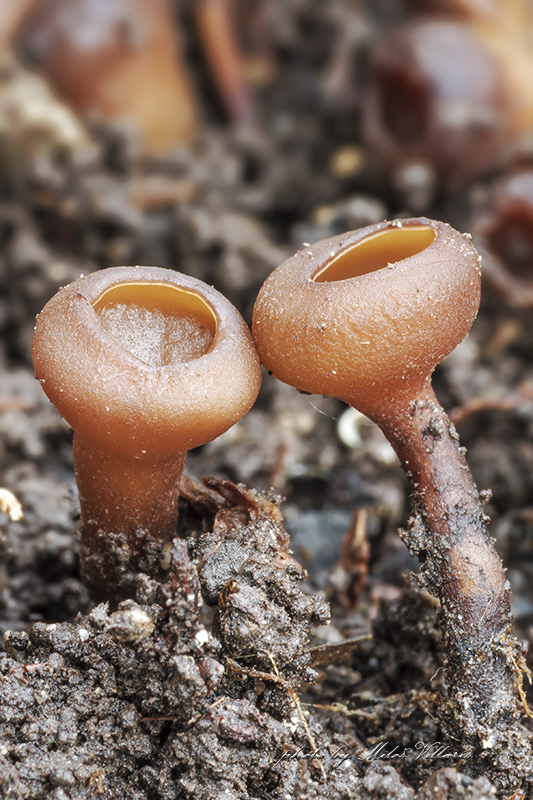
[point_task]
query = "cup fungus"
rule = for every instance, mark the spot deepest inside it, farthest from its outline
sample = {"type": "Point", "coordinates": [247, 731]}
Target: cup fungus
{"type": "Point", "coordinates": [435, 97]}
{"type": "Point", "coordinates": [118, 59]}
{"type": "Point", "coordinates": [145, 364]}
{"type": "Point", "coordinates": [366, 317]}
{"type": "Point", "coordinates": [472, 62]}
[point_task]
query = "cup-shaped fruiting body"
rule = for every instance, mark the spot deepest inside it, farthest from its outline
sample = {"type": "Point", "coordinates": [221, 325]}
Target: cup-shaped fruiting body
{"type": "Point", "coordinates": [505, 231]}
{"type": "Point", "coordinates": [118, 59]}
{"type": "Point", "coordinates": [366, 316]}
{"type": "Point", "coordinates": [435, 96]}
{"type": "Point", "coordinates": [145, 364]}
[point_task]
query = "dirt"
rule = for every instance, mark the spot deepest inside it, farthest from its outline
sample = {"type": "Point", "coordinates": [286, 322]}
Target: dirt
{"type": "Point", "coordinates": [285, 648]}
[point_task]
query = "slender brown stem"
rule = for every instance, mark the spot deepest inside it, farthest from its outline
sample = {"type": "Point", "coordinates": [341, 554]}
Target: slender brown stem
{"type": "Point", "coordinates": [216, 24]}
{"type": "Point", "coordinates": [123, 520]}
{"type": "Point", "coordinates": [448, 533]}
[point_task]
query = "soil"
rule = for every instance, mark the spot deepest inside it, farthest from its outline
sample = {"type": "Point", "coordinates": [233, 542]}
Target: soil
{"type": "Point", "coordinates": [285, 648]}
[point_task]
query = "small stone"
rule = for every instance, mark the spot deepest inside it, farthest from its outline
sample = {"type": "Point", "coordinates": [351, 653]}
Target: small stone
{"type": "Point", "coordinates": [130, 623]}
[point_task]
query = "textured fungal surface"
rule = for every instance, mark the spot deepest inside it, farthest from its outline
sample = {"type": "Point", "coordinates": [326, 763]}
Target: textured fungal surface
{"type": "Point", "coordinates": [145, 364]}
{"type": "Point", "coordinates": [409, 291]}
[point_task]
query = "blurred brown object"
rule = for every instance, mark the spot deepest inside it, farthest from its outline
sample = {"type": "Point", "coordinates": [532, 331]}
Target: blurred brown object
{"type": "Point", "coordinates": [504, 235]}
{"type": "Point", "coordinates": [507, 31]}
{"type": "Point", "coordinates": [349, 576]}
{"type": "Point", "coordinates": [12, 15]}
{"type": "Point", "coordinates": [118, 59]}
{"type": "Point", "coordinates": [146, 192]}
{"type": "Point", "coordinates": [215, 21]}
{"type": "Point", "coordinates": [505, 28]}
{"type": "Point", "coordinates": [436, 97]}
{"type": "Point", "coordinates": [518, 400]}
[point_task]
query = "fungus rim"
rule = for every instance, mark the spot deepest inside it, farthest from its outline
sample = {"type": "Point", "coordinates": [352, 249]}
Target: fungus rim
{"type": "Point", "coordinates": [369, 248]}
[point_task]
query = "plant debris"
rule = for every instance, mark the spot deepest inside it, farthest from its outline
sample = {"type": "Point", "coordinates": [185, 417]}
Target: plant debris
{"type": "Point", "coordinates": [221, 677]}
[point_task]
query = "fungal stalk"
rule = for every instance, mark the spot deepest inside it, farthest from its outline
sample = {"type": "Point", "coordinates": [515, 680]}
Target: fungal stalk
{"type": "Point", "coordinates": [366, 317]}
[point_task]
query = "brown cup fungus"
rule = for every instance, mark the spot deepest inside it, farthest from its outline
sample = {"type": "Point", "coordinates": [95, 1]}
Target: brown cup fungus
{"type": "Point", "coordinates": [366, 317]}
{"type": "Point", "coordinates": [436, 99]}
{"type": "Point", "coordinates": [145, 364]}
{"type": "Point", "coordinates": [454, 87]}
{"type": "Point", "coordinates": [118, 59]}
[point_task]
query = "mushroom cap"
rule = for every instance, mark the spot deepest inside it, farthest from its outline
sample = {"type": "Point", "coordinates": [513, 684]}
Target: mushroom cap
{"type": "Point", "coordinates": [144, 360]}
{"type": "Point", "coordinates": [118, 59]}
{"type": "Point", "coordinates": [436, 95]}
{"type": "Point", "coordinates": [368, 314]}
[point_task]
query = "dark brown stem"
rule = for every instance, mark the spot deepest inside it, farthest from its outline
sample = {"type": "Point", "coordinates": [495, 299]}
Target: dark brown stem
{"type": "Point", "coordinates": [215, 21]}
{"type": "Point", "coordinates": [448, 533]}
{"type": "Point", "coordinates": [123, 522]}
